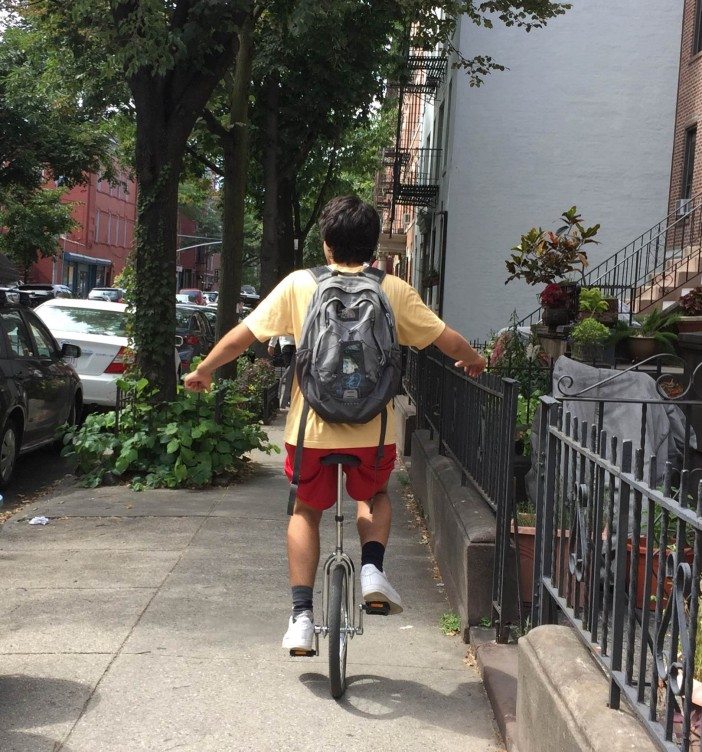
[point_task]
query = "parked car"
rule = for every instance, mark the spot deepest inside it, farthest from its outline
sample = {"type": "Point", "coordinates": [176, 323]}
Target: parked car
{"type": "Point", "coordinates": [193, 325]}
{"type": "Point", "coordinates": [194, 296]}
{"type": "Point", "coordinates": [211, 297]}
{"type": "Point", "coordinates": [249, 297]}
{"type": "Point", "coordinates": [34, 294]}
{"type": "Point", "coordinates": [39, 390]}
{"type": "Point", "coordinates": [110, 294]}
{"type": "Point", "coordinates": [99, 329]}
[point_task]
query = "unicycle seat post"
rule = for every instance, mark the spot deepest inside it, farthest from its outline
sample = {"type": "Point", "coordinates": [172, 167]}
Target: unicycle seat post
{"type": "Point", "coordinates": [341, 461]}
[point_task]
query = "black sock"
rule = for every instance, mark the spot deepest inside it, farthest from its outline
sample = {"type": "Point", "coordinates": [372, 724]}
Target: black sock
{"type": "Point", "coordinates": [373, 553]}
{"type": "Point", "coordinates": [302, 599]}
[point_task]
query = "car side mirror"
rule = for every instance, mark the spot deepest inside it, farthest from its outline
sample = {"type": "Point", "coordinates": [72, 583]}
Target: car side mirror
{"type": "Point", "coordinates": [179, 341]}
{"type": "Point", "coordinates": [70, 351]}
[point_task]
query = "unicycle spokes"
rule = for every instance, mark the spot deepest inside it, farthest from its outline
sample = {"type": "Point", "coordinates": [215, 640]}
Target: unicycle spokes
{"type": "Point", "coordinates": [339, 630]}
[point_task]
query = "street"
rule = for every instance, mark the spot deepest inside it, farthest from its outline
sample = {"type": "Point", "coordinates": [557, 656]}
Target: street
{"type": "Point", "coordinates": [36, 474]}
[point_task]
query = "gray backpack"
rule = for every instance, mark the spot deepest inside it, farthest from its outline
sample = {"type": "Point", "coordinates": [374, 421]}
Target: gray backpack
{"type": "Point", "coordinates": [348, 363]}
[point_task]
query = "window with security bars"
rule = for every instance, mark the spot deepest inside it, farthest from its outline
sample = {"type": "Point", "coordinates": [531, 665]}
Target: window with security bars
{"type": "Point", "coordinates": [697, 38]}
{"type": "Point", "coordinates": [689, 162]}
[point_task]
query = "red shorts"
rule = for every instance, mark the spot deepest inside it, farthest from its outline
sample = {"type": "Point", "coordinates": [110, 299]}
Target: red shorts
{"type": "Point", "coordinates": [317, 487]}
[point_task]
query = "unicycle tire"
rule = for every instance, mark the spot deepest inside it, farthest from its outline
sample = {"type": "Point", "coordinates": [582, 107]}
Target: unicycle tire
{"type": "Point", "coordinates": [338, 634]}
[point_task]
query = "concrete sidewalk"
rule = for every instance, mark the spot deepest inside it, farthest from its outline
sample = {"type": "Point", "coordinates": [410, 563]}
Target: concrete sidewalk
{"type": "Point", "coordinates": [153, 621]}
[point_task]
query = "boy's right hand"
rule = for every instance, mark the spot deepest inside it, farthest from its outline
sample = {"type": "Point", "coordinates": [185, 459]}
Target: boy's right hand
{"type": "Point", "coordinates": [472, 367]}
{"type": "Point", "coordinates": [198, 381]}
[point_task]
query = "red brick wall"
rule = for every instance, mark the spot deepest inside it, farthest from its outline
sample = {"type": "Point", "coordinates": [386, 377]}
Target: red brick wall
{"type": "Point", "coordinates": [105, 217]}
{"type": "Point", "coordinates": [689, 107]}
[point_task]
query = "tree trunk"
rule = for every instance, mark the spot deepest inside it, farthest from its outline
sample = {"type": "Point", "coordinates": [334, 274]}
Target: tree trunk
{"type": "Point", "coordinates": [158, 166]}
{"type": "Point", "coordinates": [236, 161]}
{"type": "Point", "coordinates": [286, 230]}
{"type": "Point", "coordinates": [270, 260]}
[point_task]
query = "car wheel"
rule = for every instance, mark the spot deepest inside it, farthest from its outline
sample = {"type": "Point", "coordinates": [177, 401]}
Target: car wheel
{"type": "Point", "coordinates": [9, 449]}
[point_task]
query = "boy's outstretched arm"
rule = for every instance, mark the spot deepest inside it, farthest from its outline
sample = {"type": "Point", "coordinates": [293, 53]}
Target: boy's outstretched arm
{"type": "Point", "coordinates": [451, 343]}
{"type": "Point", "coordinates": [231, 346]}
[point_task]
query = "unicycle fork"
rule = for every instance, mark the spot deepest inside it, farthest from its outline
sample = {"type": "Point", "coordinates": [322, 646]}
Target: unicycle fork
{"type": "Point", "coordinates": [339, 622]}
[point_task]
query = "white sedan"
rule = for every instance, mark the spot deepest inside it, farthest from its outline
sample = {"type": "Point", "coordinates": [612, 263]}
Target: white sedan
{"type": "Point", "coordinates": [99, 329]}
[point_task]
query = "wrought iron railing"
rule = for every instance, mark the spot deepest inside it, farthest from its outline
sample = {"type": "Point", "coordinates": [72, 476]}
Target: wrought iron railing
{"type": "Point", "coordinates": [474, 423]}
{"type": "Point", "coordinates": [656, 264]}
{"type": "Point", "coordinates": [618, 549]}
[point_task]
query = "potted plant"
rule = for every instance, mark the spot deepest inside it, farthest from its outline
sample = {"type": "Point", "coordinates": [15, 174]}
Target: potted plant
{"type": "Point", "coordinates": [594, 304]}
{"type": "Point", "coordinates": [590, 339]}
{"type": "Point", "coordinates": [653, 335]}
{"type": "Point", "coordinates": [545, 256]}
{"type": "Point", "coordinates": [691, 310]}
{"type": "Point", "coordinates": [555, 303]}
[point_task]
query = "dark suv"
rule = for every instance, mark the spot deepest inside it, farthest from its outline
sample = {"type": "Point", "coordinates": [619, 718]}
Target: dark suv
{"type": "Point", "coordinates": [39, 391]}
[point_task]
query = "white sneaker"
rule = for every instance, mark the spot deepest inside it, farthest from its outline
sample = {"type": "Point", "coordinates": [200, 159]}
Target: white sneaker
{"type": "Point", "coordinates": [375, 587]}
{"type": "Point", "coordinates": [300, 634]}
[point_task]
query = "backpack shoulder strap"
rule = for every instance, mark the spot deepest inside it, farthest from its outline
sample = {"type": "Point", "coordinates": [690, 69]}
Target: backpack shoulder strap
{"type": "Point", "coordinates": [377, 274]}
{"type": "Point", "coordinates": [320, 273]}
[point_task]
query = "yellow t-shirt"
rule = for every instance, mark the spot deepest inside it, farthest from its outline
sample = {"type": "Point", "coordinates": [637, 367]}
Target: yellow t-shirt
{"type": "Point", "coordinates": [283, 312]}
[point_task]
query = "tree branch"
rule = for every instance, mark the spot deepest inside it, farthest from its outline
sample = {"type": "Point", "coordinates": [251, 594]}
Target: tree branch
{"type": "Point", "coordinates": [213, 124]}
{"type": "Point", "coordinates": [320, 197]}
{"type": "Point", "coordinates": [202, 159]}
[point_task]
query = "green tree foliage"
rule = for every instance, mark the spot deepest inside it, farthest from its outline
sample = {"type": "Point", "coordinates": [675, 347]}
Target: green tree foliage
{"type": "Point", "coordinates": [33, 222]}
{"type": "Point", "coordinates": [46, 133]}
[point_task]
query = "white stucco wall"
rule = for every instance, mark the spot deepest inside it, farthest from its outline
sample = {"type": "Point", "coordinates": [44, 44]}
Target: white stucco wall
{"type": "Point", "coordinates": [584, 116]}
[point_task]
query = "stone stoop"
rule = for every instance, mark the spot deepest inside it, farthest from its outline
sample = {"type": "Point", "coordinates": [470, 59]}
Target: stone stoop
{"type": "Point", "coordinates": [498, 669]}
{"type": "Point", "coordinates": [562, 699]}
{"type": "Point", "coordinates": [461, 527]}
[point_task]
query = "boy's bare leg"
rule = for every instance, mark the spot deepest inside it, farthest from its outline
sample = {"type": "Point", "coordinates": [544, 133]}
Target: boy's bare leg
{"type": "Point", "coordinates": [373, 518]}
{"type": "Point", "coordinates": [303, 544]}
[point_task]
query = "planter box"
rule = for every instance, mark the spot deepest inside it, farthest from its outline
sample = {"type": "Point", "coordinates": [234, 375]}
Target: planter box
{"type": "Point", "coordinates": [689, 324]}
{"type": "Point", "coordinates": [554, 345]}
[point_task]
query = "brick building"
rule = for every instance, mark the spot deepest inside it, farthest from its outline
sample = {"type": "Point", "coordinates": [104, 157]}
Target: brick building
{"type": "Point", "coordinates": [95, 252]}
{"type": "Point", "coordinates": [685, 180]}
{"type": "Point", "coordinates": [196, 267]}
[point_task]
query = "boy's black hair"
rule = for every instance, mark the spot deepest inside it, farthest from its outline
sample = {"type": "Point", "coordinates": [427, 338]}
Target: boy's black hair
{"type": "Point", "coordinates": [351, 228]}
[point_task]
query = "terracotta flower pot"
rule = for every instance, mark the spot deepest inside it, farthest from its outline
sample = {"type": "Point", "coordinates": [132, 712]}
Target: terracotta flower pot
{"type": "Point", "coordinates": [641, 348]}
{"type": "Point", "coordinates": [688, 554]}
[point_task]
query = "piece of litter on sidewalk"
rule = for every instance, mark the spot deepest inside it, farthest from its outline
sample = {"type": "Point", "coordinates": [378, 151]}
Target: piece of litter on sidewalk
{"type": "Point", "coordinates": [439, 584]}
{"type": "Point", "coordinates": [407, 626]}
{"type": "Point", "coordinates": [39, 520]}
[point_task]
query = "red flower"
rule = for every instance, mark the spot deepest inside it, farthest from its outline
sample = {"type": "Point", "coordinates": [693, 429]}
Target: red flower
{"type": "Point", "coordinates": [553, 296]}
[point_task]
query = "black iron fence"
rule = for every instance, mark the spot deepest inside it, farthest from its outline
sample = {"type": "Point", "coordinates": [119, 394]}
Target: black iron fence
{"type": "Point", "coordinates": [474, 423]}
{"type": "Point", "coordinates": [618, 549]}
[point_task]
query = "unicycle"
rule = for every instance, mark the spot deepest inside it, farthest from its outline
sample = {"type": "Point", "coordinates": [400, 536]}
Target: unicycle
{"type": "Point", "coordinates": [339, 623]}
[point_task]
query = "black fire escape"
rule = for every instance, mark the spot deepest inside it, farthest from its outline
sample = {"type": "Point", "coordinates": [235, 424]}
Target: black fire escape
{"type": "Point", "coordinates": [409, 173]}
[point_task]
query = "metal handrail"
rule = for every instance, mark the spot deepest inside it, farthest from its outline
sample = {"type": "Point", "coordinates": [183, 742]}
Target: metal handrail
{"type": "Point", "coordinates": [631, 256]}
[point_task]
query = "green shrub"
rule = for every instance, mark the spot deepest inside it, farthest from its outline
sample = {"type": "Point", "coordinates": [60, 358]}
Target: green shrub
{"type": "Point", "coordinates": [592, 301]}
{"type": "Point", "coordinates": [590, 332]}
{"type": "Point", "coordinates": [187, 442]}
{"type": "Point", "coordinates": [252, 381]}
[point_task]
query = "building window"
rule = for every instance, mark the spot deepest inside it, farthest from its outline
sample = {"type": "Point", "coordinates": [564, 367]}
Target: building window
{"type": "Point", "coordinates": [697, 38]}
{"type": "Point", "coordinates": [689, 162]}
{"type": "Point", "coordinates": [447, 127]}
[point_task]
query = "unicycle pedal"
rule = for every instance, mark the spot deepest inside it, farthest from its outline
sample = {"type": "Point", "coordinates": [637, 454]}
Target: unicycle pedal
{"type": "Point", "coordinates": [381, 608]}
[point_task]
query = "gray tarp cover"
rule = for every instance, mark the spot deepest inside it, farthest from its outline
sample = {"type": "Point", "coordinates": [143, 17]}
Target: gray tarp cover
{"type": "Point", "coordinates": [665, 427]}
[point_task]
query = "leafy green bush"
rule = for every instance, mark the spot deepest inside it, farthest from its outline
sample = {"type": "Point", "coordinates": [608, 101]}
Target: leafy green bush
{"type": "Point", "coordinates": [592, 301]}
{"type": "Point", "coordinates": [590, 332]}
{"type": "Point", "coordinates": [187, 442]}
{"type": "Point", "coordinates": [252, 381]}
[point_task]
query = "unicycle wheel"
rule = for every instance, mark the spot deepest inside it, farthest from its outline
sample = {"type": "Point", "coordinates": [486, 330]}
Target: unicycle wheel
{"type": "Point", "coordinates": [338, 630]}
